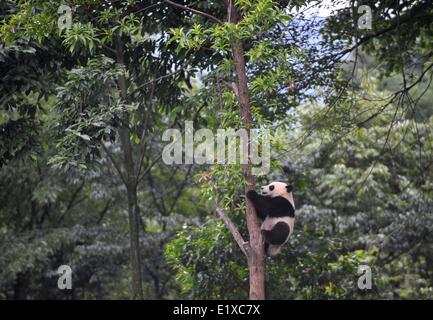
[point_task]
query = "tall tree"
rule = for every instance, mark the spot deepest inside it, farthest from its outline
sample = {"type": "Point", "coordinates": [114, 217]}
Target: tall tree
{"type": "Point", "coordinates": [246, 23]}
{"type": "Point", "coordinates": [118, 87]}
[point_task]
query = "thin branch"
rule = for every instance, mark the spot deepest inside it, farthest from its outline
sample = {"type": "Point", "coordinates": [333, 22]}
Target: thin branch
{"type": "Point", "coordinates": [147, 8]}
{"type": "Point", "coordinates": [233, 86]}
{"type": "Point", "coordinates": [156, 80]}
{"type": "Point", "coordinates": [180, 190]}
{"type": "Point", "coordinates": [143, 142]}
{"type": "Point", "coordinates": [395, 95]}
{"type": "Point", "coordinates": [207, 15]}
{"type": "Point", "coordinates": [109, 49]}
{"type": "Point", "coordinates": [245, 247]}
{"type": "Point", "coordinates": [72, 201]}
{"type": "Point", "coordinates": [416, 13]}
{"type": "Point", "coordinates": [161, 207]}
{"type": "Point", "coordinates": [383, 148]}
{"type": "Point", "coordinates": [149, 167]}
{"type": "Point", "coordinates": [114, 162]}
{"type": "Point", "coordinates": [74, 196]}
{"type": "Point", "coordinates": [390, 99]}
{"type": "Point", "coordinates": [103, 212]}
{"type": "Point", "coordinates": [184, 66]}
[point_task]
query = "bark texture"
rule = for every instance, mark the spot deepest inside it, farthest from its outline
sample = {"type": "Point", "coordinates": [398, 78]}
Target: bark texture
{"type": "Point", "coordinates": [256, 254]}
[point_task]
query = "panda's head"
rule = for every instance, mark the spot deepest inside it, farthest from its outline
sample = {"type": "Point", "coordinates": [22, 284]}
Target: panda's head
{"type": "Point", "coordinates": [275, 189]}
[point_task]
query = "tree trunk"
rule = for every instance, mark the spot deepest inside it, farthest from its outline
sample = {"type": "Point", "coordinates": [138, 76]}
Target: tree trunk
{"type": "Point", "coordinates": [131, 184]}
{"type": "Point", "coordinates": [21, 286]}
{"type": "Point", "coordinates": [256, 254]}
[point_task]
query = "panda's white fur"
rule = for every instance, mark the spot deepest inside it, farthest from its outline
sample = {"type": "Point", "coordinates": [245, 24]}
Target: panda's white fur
{"type": "Point", "coordinates": [269, 223]}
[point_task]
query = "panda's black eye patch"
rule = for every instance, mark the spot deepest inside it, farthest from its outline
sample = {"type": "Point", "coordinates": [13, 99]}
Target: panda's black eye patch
{"type": "Point", "coordinates": [271, 188]}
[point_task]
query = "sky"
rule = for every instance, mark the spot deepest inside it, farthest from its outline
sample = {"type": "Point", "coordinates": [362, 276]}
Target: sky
{"type": "Point", "coordinates": [323, 8]}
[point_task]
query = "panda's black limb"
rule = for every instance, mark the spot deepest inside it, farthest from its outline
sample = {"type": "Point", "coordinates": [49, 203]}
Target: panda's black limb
{"type": "Point", "coordinates": [273, 207]}
{"type": "Point", "coordinates": [278, 235]}
{"type": "Point", "coordinates": [266, 248]}
{"type": "Point", "coordinates": [260, 205]}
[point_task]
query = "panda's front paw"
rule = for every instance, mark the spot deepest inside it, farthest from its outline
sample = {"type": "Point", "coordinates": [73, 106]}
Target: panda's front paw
{"type": "Point", "coordinates": [252, 194]}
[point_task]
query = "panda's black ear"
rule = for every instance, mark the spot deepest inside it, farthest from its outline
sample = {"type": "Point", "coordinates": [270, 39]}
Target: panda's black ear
{"type": "Point", "coordinates": [289, 188]}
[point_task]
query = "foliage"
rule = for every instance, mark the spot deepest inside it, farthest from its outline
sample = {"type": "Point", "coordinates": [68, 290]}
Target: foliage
{"type": "Point", "coordinates": [207, 262]}
{"type": "Point", "coordinates": [350, 129]}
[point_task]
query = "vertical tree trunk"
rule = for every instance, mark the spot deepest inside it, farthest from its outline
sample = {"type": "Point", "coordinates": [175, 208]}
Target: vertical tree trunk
{"type": "Point", "coordinates": [256, 255]}
{"type": "Point", "coordinates": [131, 184]}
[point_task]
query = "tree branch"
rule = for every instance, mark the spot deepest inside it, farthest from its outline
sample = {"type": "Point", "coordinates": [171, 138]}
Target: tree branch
{"type": "Point", "coordinates": [180, 190]}
{"type": "Point", "coordinates": [103, 212]}
{"type": "Point", "coordinates": [149, 167]}
{"type": "Point", "coordinates": [245, 247]}
{"type": "Point", "coordinates": [72, 201]}
{"type": "Point", "coordinates": [114, 162]}
{"type": "Point", "coordinates": [233, 86]}
{"type": "Point", "coordinates": [207, 15]}
{"type": "Point", "coordinates": [413, 14]}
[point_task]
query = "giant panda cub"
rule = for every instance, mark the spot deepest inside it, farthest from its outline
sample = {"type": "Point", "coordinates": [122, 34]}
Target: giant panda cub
{"type": "Point", "coordinates": [276, 208]}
